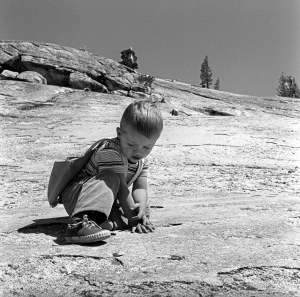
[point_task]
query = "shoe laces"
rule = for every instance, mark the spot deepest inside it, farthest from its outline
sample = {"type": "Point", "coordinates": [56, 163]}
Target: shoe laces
{"type": "Point", "coordinates": [85, 222]}
{"type": "Point", "coordinates": [88, 223]}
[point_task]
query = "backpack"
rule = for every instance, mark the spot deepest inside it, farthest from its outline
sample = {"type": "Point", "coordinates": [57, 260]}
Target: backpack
{"type": "Point", "coordinates": [64, 171]}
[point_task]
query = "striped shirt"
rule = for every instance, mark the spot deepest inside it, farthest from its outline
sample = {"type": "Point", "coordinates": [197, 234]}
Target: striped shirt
{"type": "Point", "coordinates": [108, 156]}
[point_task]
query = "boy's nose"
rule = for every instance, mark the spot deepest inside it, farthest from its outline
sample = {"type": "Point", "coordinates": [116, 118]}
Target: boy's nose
{"type": "Point", "coordinates": [137, 152]}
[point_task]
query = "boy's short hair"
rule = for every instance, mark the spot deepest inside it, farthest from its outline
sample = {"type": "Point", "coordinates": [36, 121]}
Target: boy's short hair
{"type": "Point", "coordinates": [144, 117]}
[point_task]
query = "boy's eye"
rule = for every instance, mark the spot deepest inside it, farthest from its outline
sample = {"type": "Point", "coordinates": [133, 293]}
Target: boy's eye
{"type": "Point", "coordinates": [129, 144]}
{"type": "Point", "coordinates": [146, 147]}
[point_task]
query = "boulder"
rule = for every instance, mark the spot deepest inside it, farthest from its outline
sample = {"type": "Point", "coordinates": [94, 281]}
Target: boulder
{"type": "Point", "coordinates": [78, 80]}
{"type": "Point", "coordinates": [32, 76]}
{"type": "Point", "coordinates": [7, 74]}
{"type": "Point", "coordinates": [114, 83]}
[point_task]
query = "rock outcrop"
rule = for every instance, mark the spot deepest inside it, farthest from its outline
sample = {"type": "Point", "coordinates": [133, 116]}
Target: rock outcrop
{"type": "Point", "coordinates": [66, 67]}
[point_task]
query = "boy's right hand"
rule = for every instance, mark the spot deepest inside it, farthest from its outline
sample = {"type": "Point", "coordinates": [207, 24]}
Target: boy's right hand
{"type": "Point", "coordinates": [143, 226]}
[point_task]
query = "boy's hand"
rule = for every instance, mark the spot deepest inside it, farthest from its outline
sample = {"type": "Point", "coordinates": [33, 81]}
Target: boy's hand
{"type": "Point", "coordinates": [143, 226]}
{"type": "Point", "coordinates": [140, 211]}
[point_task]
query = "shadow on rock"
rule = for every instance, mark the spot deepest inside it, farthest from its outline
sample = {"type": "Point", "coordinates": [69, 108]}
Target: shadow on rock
{"type": "Point", "coordinates": [55, 227]}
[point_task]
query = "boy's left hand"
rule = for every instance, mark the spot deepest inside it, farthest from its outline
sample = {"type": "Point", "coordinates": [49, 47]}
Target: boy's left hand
{"type": "Point", "coordinates": [140, 211]}
{"type": "Point", "coordinates": [143, 226]}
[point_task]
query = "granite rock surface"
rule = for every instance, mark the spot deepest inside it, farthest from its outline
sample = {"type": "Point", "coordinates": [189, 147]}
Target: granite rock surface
{"type": "Point", "coordinates": [223, 186]}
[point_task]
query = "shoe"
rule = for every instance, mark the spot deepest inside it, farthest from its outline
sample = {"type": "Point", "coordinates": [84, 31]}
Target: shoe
{"type": "Point", "coordinates": [83, 230]}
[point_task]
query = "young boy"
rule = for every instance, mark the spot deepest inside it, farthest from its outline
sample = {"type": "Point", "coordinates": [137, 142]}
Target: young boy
{"type": "Point", "coordinates": [98, 199]}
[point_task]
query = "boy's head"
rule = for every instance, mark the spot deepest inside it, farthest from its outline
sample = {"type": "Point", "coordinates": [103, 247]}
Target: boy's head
{"type": "Point", "coordinates": [144, 117]}
{"type": "Point", "coordinates": [140, 127]}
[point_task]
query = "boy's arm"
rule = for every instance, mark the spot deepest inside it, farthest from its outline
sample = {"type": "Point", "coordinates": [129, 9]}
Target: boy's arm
{"type": "Point", "coordinates": [134, 206]}
{"type": "Point", "coordinates": [125, 198]}
{"type": "Point", "coordinates": [140, 197]}
{"type": "Point", "coordinates": [140, 191]}
{"type": "Point", "coordinates": [139, 222]}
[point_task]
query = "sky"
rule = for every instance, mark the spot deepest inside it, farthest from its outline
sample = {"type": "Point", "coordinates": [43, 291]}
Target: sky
{"type": "Point", "coordinates": [249, 43]}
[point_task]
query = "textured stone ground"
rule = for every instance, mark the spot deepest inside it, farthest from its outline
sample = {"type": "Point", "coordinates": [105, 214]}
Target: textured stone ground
{"type": "Point", "coordinates": [224, 197]}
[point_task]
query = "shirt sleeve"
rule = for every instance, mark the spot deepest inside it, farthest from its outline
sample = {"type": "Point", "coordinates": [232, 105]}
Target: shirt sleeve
{"type": "Point", "coordinates": [141, 181]}
{"type": "Point", "coordinates": [109, 159]}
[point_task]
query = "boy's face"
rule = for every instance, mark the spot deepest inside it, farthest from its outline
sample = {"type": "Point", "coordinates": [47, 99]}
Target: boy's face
{"type": "Point", "coordinates": [135, 146]}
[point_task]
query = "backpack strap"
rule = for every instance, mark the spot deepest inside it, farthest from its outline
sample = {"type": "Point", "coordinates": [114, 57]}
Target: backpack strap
{"type": "Point", "coordinates": [137, 173]}
{"type": "Point", "coordinates": [97, 144]}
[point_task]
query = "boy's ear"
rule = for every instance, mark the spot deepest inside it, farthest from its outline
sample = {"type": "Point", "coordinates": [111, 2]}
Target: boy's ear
{"type": "Point", "coordinates": [118, 132]}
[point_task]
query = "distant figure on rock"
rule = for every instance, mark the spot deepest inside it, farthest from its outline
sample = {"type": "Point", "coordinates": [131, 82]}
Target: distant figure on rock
{"type": "Point", "coordinates": [97, 198]}
{"type": "Point", "coordinates": [174, 112]}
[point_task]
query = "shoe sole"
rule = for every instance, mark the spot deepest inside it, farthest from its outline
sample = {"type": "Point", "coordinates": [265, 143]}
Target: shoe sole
{"type": "Point", "coordinates": [100, 236]}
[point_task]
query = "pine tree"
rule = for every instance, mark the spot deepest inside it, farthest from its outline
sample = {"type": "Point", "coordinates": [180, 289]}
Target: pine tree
{"type": "Point", "coordinates": [129, 58]}
{"type": "Point", "coordinates": [205, 74]}
{"type": "Point", "coordinates": [281, 88]}
{"type": "Point", "coordinates": [217, 84]}
{"type": "Point", "coordinates": [288, 87]}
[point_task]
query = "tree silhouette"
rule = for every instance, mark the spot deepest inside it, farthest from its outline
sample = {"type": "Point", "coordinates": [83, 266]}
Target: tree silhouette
{"type": "Point", "coordinates": [288, 87]}
{"type": "Point", "coordinates": [217, 84]}
{"type": "Point", "coordinates": [205, 74]}
{"type": "Point", "coordinates": [129, 58]}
